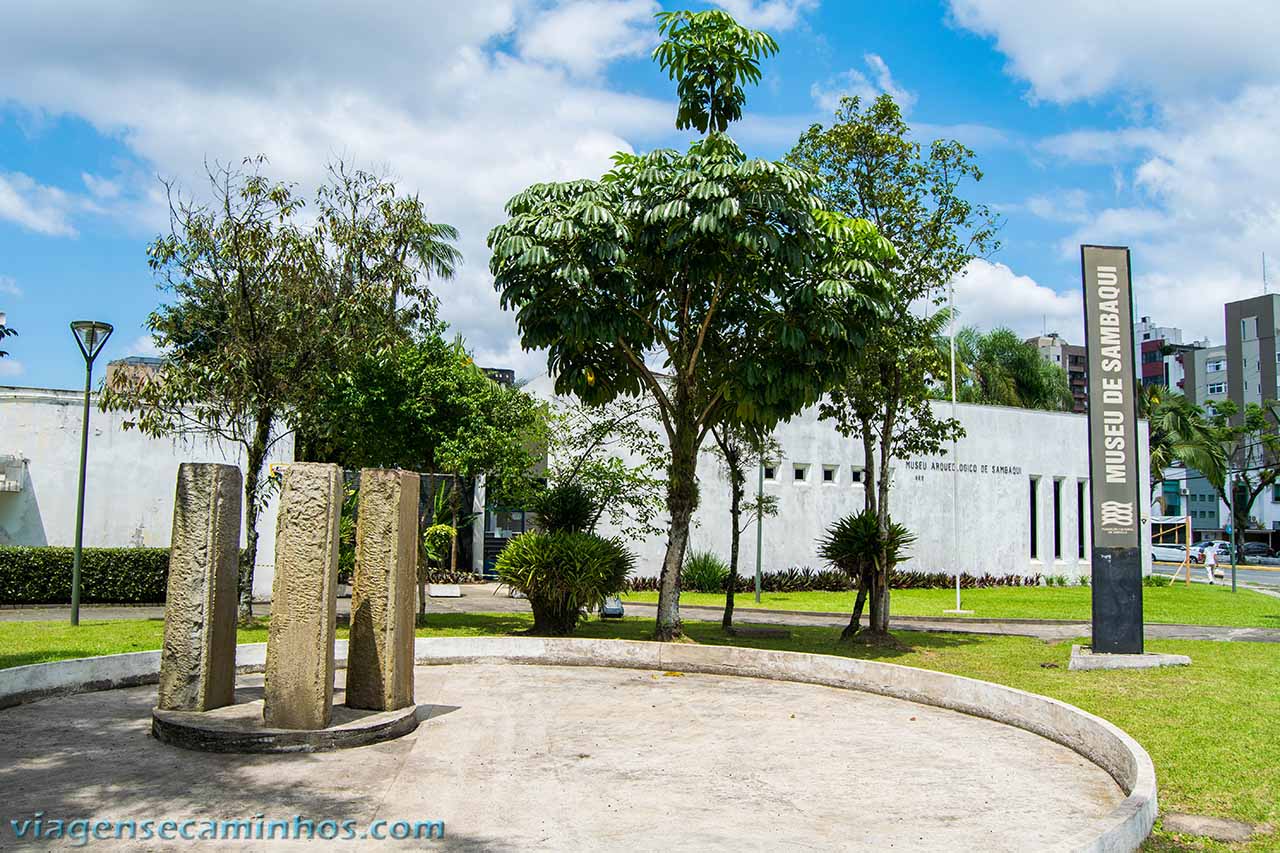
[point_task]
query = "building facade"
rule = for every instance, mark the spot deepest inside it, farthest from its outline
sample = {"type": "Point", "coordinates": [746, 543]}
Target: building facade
{"type": "Point", "coordinates": [1071, 358]}
{"type": "Point", "coordinates": [130, 478]}
{"type": "Point", "coordinates": [1012, 500]}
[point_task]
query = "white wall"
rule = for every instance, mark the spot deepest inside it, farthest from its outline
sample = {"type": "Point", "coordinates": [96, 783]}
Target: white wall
{"type": "Point", "coordinates": [130, 478]}
{"type": "Point", "coordinates": [1002, 450]}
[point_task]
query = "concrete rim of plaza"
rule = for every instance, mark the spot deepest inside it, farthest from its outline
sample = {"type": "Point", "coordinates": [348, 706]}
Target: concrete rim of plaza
{"type": "Point", "coordinates": [1098, 741]}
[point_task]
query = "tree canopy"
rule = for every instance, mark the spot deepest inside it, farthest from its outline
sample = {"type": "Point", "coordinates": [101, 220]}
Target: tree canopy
{"type": "Point", "coordinates": [264, 305]}
{"type": "Point", "coordinates": [713, 282]}
{"type": "Point", "coordinates": [1001, 369]}
{"type": "Point", "coordinates": [870, 166]}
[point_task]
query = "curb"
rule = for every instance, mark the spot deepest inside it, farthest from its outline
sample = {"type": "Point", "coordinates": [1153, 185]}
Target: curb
{"type": "Point", "coordinates": [1092, 737]}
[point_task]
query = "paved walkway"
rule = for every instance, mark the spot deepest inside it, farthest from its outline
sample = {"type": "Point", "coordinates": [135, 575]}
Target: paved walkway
{"type": "Point", "coordinates": [485, 598]}
{"type": "Point", "coordinates": [572, 758]}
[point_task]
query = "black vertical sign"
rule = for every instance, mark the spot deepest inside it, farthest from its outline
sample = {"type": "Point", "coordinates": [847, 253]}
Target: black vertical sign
{"type": "Point", "coordinates": [1113, 451]}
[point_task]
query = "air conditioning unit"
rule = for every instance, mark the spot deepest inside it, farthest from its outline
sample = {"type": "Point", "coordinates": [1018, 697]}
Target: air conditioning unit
{"type": "Point", "coordinates": [13, 473]}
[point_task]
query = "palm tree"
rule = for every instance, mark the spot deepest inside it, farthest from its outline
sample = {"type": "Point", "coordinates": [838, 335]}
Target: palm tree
{"type": "Point", "coordinates": [1180, 435]}
{"type": "Point", "coordinates": [999, 368]}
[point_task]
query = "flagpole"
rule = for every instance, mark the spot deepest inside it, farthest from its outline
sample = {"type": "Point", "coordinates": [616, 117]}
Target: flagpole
{"type": "Point", "coordinates": [955, 462]}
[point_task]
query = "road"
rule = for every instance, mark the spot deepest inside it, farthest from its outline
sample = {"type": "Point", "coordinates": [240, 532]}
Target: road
{"type": "Point", "coordinates": [1252, 575]}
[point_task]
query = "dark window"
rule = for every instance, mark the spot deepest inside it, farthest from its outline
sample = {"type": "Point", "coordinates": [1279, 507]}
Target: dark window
{"type": "Point", "coordinates": [769, 473]}
{"type": "Point", "coordinates": [1057, 519]}
{"type": "Point", "coordinates": [1080, 519]}
{"type": "Point", "coordinates": [1035, 544]}
{"type": "Point", "coordinates": [800, 471]}
{"type": "Point", "coordinates": [857, 475]}
{"type": "Point", "coordinates": [828, 473]}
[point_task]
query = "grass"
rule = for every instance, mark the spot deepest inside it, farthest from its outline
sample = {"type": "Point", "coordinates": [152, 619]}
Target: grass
{"type": "Point", "coordinates": [1198, 604]}
{"type": "Point", "coordinates": [1210, 727]}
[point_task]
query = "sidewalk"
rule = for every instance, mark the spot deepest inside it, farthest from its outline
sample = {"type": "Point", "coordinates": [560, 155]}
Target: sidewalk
{"type": "Point", "coordinates": [484, 598]}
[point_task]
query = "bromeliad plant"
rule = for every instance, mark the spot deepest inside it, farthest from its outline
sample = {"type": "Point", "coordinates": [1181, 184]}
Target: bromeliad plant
{"type": "Point", "coordinates": [867, 552]}
{"type": "Point", "coordinates": [564, 574]}
{"type": "Point", "coordinates": [563, 569]}
{"type": "Point", "coordinates": [704, 571]}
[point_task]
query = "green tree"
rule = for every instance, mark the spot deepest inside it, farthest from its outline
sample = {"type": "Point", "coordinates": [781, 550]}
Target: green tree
{"type": "Point", "coordinates": [614, 454]}
{"type": "Point", "coordinates": [1180, 435]}
{"type": "Point", "coordinates": [711, 57]}
{"type": "Point", "coordinates": [1251, 447]}
{"type": "Point", "coordinates": [870, 167]}
{"type": "Point", "coordinates": [264, 309]}
{"type": "Point", "coordinates": [711, 281]}
{"type": "Point", "coordinates": [6, 331]}
{"type": "Point", "coordinates": [424, 405]}
{"type": "Point", "coordinates": [740, 448]}
{"type": "Point", "coordinates": [1000, 369]}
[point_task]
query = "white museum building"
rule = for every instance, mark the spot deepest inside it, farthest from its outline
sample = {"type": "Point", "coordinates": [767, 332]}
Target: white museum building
{"type": "Point", "coordinates": [1013, 500]}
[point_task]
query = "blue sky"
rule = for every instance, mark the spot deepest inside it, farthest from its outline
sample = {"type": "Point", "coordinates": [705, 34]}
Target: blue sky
{"type": "Point", "coordinates": [1142, 123]}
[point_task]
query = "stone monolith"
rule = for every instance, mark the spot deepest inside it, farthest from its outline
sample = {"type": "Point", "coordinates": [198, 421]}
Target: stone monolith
{"type": "Point", "coordinates": [298, 690]}
{"type": "Point", "coordinates": [380, 648]}
{"type": "Point", "coordinates": [198, 660]}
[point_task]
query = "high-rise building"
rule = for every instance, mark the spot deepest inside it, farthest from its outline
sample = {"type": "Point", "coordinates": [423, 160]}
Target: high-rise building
{"type": "Point", "coordinates": [1160, 354]}
{"type": "Point", "coordinates": [1251, 349]}
{"type": "Point", "coordinates": [1070, 358]}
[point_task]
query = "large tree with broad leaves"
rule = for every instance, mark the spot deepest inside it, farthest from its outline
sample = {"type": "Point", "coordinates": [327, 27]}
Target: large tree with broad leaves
{"type": "Point", "coordinates": [712, 282]}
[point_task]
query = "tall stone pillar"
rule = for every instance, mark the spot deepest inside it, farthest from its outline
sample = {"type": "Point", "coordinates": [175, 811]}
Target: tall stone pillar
{"type": "Point", "coordinates": [380, 648]}
{"type": "Point", "coordinates": [198, 660]}
{"type": "Point", "coordinates": [298, 693]}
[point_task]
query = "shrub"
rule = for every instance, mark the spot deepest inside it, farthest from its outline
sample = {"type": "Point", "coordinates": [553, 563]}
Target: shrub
{"type": "Point", "coordinates": [798, 579]}
{"type": "Point", "coordinates": [565, 508]}
{"type": "Point", "coordinates": [703, 571]}
{"type": "Point", "coordinates": [437, 542]}
{"type": "Point", "coordinates": [564, 574]}
{"type": "Point", "coordinates": [107, 575]}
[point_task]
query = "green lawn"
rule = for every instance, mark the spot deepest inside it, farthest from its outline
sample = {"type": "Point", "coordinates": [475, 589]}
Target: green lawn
{"type": "Point", "coordinates": [1198, 604]}
{"type": "Point", "coordinates": [1210, 728]}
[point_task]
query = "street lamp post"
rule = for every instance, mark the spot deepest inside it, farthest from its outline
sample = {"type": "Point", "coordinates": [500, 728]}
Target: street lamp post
{"type": "Point", "coordinates": [90, 336]}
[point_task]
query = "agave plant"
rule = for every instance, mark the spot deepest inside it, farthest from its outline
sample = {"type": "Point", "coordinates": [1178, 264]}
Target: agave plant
{"type": "Point", "coordinates": [564, 574]}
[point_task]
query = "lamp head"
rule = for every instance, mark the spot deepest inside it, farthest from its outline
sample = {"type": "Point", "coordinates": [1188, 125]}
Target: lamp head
{"type": "Point", "coordinates": [91, 335]}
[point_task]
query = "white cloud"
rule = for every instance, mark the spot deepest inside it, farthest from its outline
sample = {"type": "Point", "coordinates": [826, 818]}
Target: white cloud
{"type": "Point", "coordinates": [772, 15]}
{"type": "Point", "coordinates": [10, 367]}
{"type": "Point", "coordinates": [465, 104]}
{"type": "Point", "coordinates": [1074, 49]}
{"type": "Point", "coordinates": [868, 85]}
{"type": "Point", "coordinates": [100, 187]}
{"type": "Point", "coordinates": [991, 294]}
{"type": "Point", "coordinates": [34, 206]}
{"type": "Point", "coordinates": [144, 345]}
{"type": "Point", "coordinates": [1195, 114]}
{"type": "Point", "coordinates": [9, 286]}
{"type": "Point", "coordinates": [583, 35]}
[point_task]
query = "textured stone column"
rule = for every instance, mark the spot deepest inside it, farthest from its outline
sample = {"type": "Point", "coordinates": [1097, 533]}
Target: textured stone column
{"type": "Point", "coordinates": [198, 661]}
{"type": "Point", "coordinates": [298, 693]}
{"type": "Point", "coordinates": [380, 649]}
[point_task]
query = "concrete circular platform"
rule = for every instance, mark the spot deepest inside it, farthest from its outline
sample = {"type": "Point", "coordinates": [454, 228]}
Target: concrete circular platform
{"type": "Point", "coordinates": [555, 757]}
{"type": "Point", "coordinates": [240, 728]}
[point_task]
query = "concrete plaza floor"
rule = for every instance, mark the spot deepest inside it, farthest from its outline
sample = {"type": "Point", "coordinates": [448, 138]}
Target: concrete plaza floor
{"type": "Point", "coordinates": [579, 758]}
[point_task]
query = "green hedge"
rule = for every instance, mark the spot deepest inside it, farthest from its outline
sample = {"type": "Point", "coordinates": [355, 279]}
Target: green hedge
{"type": "Point", "coordinates": [107, 575]}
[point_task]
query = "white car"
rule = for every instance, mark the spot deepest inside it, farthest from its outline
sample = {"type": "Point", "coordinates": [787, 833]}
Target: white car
{"type": "Point", "coordinates": [1170, 553]}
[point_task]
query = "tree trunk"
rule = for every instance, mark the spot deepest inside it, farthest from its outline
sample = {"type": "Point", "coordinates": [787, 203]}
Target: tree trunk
{"type": "Point", "coordinates": [855, 621]}
{"type": "Point", "coordinates": [682, 499]}
{"type": "Point", "coordinates": [255, 458]}
{"type": "Point", "coordinates": [737, 489]}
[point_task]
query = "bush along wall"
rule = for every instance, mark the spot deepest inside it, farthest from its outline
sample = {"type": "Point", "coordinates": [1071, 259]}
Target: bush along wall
{"type": "Point", "coordinates": [830, 580]}
{"type": "Point", "coordinates": [107, 575]}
